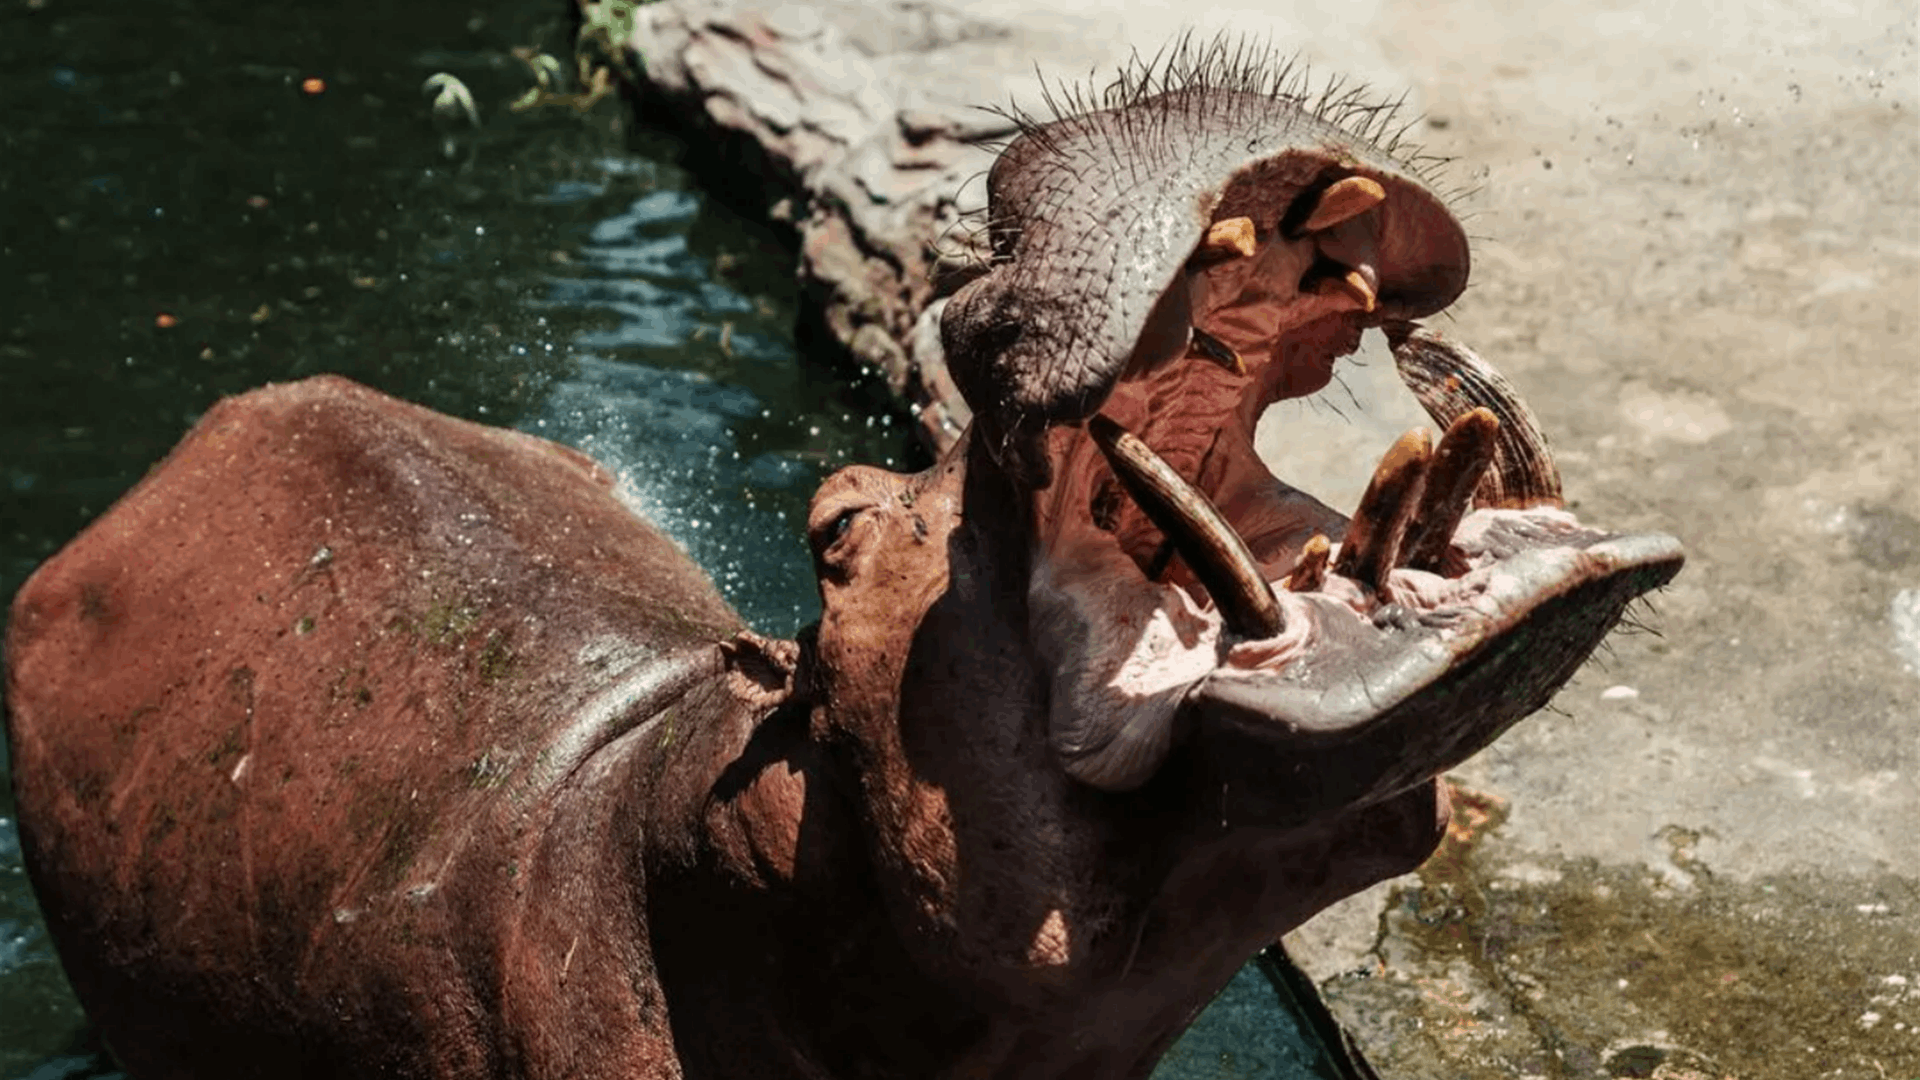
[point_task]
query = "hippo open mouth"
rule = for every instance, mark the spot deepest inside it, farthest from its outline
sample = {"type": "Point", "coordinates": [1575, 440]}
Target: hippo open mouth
{"type": "Point", "coordinates": [1168, 266]}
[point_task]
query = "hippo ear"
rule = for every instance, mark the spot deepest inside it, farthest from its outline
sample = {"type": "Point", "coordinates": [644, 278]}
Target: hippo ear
{"type": "Point", "coordinates": [764, 672]}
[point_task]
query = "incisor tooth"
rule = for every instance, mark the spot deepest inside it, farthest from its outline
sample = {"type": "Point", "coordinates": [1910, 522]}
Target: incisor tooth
{"type": "Point", "coordinates": [1344, 200]}
{"type": "Point", "coordinates": [1461, 459]}
{"type": "Point", "coordinates": [1212, 550]}
{"type": "Point", "coordinates": [1372, 546]}
{"type": "Point", "coordinates": [1310, 569]}
{"type": "Point", "coordinates": [1230, 238]}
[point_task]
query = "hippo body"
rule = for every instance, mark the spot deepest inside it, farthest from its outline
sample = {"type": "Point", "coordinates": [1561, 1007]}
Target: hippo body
{"type": "Point", "coordinates": [337, 685]}
{"type": "Point", "coordinates": [360, 741]}
{"type": "Point", "coordinates": [410, 751]}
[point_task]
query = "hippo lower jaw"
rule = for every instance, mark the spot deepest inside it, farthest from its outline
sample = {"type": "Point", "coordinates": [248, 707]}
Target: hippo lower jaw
{"type": "Point", "coordinates": [1327, 660]}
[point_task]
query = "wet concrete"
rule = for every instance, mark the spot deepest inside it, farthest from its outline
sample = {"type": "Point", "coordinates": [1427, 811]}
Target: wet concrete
{"type": "Point", "coordinates": [1491, 962]}
{"type": "Point", "coordinates": [1698, 253]}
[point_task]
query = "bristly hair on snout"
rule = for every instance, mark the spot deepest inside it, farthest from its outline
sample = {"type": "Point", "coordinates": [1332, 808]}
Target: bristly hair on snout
{"type": "Point", "coordinates": [1233, 65]}
{"type": "Point", "coordinates": [1228, 68]}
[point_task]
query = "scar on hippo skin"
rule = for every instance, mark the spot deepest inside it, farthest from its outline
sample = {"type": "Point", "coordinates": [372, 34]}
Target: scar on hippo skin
{"type": "Point", "coordinates": [1097, 706]}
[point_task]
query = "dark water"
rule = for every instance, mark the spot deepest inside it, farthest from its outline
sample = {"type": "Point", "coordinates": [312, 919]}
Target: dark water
{"type": "Point", "coordinates": [183, 217]}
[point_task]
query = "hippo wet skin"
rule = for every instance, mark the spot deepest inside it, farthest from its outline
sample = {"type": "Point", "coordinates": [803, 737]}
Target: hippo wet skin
{"type": "Point", "coordinates": [361, 741]}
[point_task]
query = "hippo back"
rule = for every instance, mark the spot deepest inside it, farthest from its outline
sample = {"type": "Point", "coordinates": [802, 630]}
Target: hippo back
{"type": "Point", "coordinates": [295, 725]}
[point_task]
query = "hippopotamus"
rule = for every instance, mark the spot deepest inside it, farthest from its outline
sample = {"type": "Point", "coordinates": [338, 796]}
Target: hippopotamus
{"type": "Point", "coordinates": [362, 741]}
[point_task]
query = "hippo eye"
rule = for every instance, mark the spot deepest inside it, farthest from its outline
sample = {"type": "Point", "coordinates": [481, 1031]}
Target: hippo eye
{"type": "Point", "coordinates": [839, 526]}
{"type": "Point", "coordinates": [826, 536]}
{"type": "Point", "coordinates": [835, 529]}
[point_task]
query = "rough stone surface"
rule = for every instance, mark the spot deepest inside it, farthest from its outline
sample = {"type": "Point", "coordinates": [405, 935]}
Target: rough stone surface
{"type": "Point", "coordinates": [1699, 254]}
{"type": "Point", "coordinates": [874, 167]}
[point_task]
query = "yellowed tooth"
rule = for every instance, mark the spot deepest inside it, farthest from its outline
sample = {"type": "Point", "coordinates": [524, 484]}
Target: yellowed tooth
{"type": "Point", "coordinates": [1459, 463]}
{"type": "Point", "coordinates": [1344, 200]}
{"type": "Point", "coordinates": [1230, 238]}
{"type": "Point", "coordinates": [1372, 547]}
{"type": "Point", "coordinates": [1353, 285]}
{"type": "Point", "coordinates": [1215, 553]}
{"type": "Point", "coordinates": [1310, 569]}
{"type": "Point", "coordinates": [1212, 348]}
{"type": "Point", "coordinates": [1361, 289]}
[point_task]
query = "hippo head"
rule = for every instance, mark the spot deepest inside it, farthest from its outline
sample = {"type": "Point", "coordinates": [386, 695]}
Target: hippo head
{"type": "Point", "coordinates": [1124, 700]}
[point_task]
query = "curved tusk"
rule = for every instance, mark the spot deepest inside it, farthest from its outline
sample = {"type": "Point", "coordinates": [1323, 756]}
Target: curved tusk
{"type": "Point", "coordinates": [1213, 551]}
{"type": "Point", "coordinates": [1451, 380]}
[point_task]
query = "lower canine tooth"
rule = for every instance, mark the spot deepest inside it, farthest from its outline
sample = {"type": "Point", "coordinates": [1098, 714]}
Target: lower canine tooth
{"type": "Point", "coordinates": [1212, 550]}
{"type": "Point", "coordinates": [1372, 546]}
